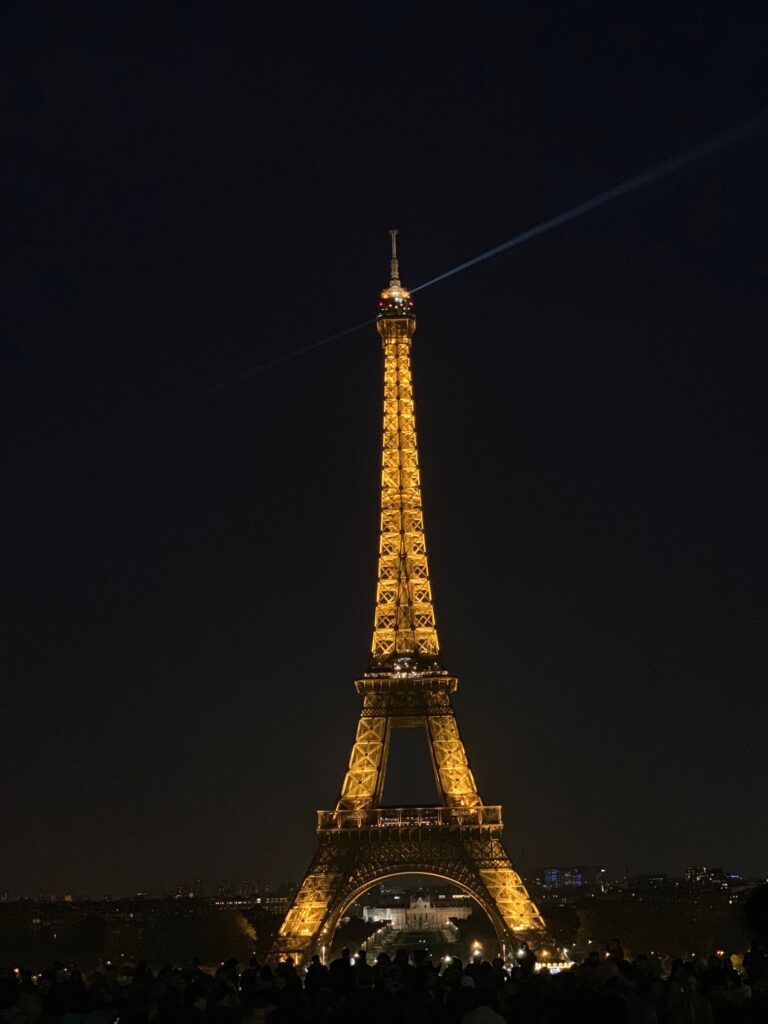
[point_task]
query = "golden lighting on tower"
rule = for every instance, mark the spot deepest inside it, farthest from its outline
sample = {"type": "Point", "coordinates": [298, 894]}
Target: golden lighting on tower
{"type": "Point", "coordinates": [360, 840]}
{"type": "Point", "coordinates": [404, 622]}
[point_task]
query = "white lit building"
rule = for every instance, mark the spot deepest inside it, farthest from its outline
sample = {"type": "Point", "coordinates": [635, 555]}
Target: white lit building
{"type": "Point", "coordinates": [419, 914]}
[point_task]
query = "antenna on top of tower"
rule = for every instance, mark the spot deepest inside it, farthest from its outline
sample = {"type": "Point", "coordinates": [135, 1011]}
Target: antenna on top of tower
{"type": "Point", "coordinates": [394, 269]}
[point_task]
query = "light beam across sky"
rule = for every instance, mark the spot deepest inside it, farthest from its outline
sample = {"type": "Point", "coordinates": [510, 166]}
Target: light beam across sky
{"type": "Point", "coordinates": [743, 131]}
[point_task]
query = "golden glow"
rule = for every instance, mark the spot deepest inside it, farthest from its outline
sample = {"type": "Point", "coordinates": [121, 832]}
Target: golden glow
{"type": "Point", "coordinates": [365, 764]}
{"type": "Point", "coordinates": [454, 776]}
{"type": "Point", "coordinates": [247, 928]}
{"type": "Point", "coordinates": [395, 291]}
{"type": "Point", "coordinates": [509, 894]}
{"type": "Point", "coordinates": [404, 621]}
{"type": "Point", "coordinates": [458, 838]}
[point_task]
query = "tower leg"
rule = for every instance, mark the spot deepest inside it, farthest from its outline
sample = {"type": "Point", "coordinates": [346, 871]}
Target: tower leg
{"type": "Point", "coordinates": [454, 776]}
{"type": "Point", "coordinates": [365, 775]}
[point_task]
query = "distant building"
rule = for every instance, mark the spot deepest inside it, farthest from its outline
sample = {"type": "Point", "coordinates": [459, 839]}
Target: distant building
{"type": "Point", "coordinates": [279, 904]}
{"type": "Point", "coordinates": [573, 877]}
{"type": "Point", "coordinates": [707, 878]}
{"type": "Point", "coordinates": [420, 914]}
{"type": "Point", "coordinates": [248, 887]}
{"type": "Point", "coordinates": [650, 883]}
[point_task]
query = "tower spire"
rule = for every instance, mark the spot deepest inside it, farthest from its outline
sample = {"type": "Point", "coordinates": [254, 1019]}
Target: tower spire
{"type": "Point", "coordinates": [394, 267]}
{"type": "Point", "coordinates": [404, 620]}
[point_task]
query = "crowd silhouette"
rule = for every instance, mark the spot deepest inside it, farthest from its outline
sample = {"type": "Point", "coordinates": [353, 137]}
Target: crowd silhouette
{"type": "Point", "coordinates": [605, 988]}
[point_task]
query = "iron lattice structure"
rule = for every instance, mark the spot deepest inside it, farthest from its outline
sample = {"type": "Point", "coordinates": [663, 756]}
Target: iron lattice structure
{"type": "Point", "coordinates": [404, 622]}
{"type": "Point", "coordinates": [361, 841]}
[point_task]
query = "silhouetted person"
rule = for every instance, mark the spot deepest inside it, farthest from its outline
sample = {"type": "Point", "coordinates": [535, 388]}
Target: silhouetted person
{"type": "Point", "coordinates": [316, 980]}
{"type": "Point", "coordinates": [340, 974]}
{"type": "Point", "coordinates": [526, 958]}
{"type": "Point", "coordinates": [403, 967]}
{"type": "Point", "coordinates": [363, 972]}
{"type": "Point", "coordinates": [484, 1012]}
{"type": "Point", "coordinates": [195, 1001]}
{"type": "Point", "coordinates": [249, 982]}
{"type": "Point", "coordinates": [689, 1006]}
{"type": "Point", "coordinates": [614, 951]}
{"type": "Point", "coordinates": [266, 979]}
{"type": "Point", "coordinates": [756, 961]}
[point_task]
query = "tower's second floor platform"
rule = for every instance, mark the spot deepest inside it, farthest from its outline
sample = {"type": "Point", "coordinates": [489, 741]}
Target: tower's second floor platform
{"type": "Point", "coordinates": [398, 694]}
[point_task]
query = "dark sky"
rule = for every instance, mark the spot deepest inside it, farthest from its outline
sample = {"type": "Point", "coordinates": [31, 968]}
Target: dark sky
{"type": "Point", "coordinates": [196, 188]}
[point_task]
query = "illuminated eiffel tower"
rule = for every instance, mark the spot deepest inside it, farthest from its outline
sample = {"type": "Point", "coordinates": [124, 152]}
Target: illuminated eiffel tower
{"type": "Point", "coordinates": [362, 842]}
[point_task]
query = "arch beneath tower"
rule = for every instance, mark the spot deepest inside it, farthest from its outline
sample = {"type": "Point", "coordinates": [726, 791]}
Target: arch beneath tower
{"type": "Point", "coordinates": [360, 885]}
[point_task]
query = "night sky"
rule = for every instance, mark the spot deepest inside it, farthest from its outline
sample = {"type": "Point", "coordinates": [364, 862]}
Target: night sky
{"type": "Point", "coordinates": [187, 587]}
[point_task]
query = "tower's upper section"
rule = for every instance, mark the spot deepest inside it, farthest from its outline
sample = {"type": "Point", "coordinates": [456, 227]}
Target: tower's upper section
{"type": "Point", "coordinates": [404, 631]}
{"type": "Point", "coordinates": [395, 301]}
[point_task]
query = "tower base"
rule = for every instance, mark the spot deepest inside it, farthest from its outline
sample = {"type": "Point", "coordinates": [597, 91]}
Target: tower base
{"type": "Point", "coordinates": [357, 849]}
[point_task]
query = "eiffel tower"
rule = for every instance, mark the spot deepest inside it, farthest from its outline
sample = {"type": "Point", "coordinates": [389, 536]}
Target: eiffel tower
{"type": "Point", "coordinates": [361, 841]}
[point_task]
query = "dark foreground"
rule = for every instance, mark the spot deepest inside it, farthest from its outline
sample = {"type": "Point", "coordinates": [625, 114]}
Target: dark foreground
{"type": "Point", "coordinates": [601, 990]}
